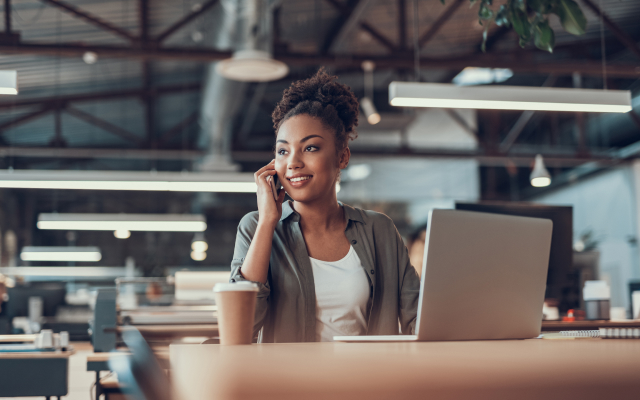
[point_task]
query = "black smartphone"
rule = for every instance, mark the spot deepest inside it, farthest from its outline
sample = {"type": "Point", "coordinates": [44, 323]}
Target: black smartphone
{"type": "Point", "coordinates": [276, 187]}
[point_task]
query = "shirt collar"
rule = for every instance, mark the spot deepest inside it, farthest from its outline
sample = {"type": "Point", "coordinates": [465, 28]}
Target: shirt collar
{"type": "Point", "coordinates": [350, 212]}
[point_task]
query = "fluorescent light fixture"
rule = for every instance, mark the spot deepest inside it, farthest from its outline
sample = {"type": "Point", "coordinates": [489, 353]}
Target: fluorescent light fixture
{"type": "Point", "coordinates": [442, 95]}
{"type": "Point", "coordinates": [129, 180]}
{"type": "Point", "coordinates": [540, 176]}
{"type": "Point", "coordinates": [121, 222]}
{"type": "Point", "coordinates": [122, 233]}
{"type": "Point", "coordinates": [8, 82]}
{"type": "Point", "coordinates": [369, 109]}
{"type": "Point", "coordinates": [482, 76]}
{"type": "Point", "coordinates": [70, 253]}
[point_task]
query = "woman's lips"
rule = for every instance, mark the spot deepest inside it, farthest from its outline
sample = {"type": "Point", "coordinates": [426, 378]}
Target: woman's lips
{"type": "Point", "coordinates": [297, 184]}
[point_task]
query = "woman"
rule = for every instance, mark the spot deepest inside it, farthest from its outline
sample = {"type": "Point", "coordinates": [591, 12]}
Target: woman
{"type": "Point", "coordinates": [323, 268]}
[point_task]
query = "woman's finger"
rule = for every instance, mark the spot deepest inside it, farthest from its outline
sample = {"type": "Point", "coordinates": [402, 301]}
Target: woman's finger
{"type": "Point", "coordinates": [262, 179]}
{"type": "Point", "coordinates": [269, 166]}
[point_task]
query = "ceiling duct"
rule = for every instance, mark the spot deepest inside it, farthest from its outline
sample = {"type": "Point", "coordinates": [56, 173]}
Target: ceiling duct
{"type": "Point", "coordinates": [245, 26]}
{"type": "Point", "coordinates": [252, 60]}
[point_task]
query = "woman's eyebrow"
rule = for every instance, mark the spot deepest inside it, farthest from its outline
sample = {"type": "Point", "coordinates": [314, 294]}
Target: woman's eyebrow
{"type": "Point", "coordinates": [304, 139]}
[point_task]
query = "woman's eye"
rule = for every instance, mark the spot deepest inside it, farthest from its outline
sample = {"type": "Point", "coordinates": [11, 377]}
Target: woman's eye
{"type": "Point", "coordinates": [311, 148]}
{"type": "Point", "coordinates": [281, 151]}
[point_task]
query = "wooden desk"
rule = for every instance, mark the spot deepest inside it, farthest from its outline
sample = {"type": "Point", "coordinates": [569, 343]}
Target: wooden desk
{"type": "Point", "coordinates": [548, 326]}
{"type": "Point", "coordinates": [520, 369]}
{"type": "Point", "coordinates": [34, 374]}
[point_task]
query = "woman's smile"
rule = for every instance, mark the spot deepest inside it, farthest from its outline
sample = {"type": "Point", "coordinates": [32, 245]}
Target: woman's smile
{"type": "Point", "coordinates": [299, 180]}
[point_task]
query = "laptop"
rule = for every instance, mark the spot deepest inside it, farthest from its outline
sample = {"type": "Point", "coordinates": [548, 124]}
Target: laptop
{"type": "Point", "coordinates": [483, 277]}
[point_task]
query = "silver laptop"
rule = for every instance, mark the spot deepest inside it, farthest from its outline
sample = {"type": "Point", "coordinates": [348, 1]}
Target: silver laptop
{"type": "Point", "coordinates": [483, 277]}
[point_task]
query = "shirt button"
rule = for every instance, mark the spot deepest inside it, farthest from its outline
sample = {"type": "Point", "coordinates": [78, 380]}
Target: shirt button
{"type": "Point", "coordinates": [354, 242]}
{"type": "Point", "coordinates": [372, 272]}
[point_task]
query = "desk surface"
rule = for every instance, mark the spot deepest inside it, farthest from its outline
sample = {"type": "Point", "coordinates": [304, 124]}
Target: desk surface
{"type": "Point", "coordinates": [37, 354]}
{"type": "Point", "coordinates": [522, 369]}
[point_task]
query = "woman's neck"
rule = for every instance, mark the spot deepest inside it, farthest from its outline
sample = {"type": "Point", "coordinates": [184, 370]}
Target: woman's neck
{"type": "Point", "coordinates": [321, 215]}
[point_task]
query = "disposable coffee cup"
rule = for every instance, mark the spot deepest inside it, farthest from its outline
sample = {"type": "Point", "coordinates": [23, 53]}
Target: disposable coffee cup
{"type": "Point", "coordinates": [236, 309]}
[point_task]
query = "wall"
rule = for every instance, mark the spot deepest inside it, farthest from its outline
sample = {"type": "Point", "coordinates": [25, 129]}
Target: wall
{"type": "Point", "coordinates": [606, 203]}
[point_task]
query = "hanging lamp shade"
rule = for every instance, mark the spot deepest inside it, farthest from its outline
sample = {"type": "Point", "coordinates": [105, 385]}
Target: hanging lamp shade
{"type": "Point", "coordinates": [369, 109]}
{"type": "Point", "coordinates": [252, 66]}
{"type": "Point", "coordinates": [540, 176]}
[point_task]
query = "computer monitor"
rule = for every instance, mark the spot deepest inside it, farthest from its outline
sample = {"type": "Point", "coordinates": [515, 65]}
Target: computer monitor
{"type": "Point", "coordinates": [559, 284]}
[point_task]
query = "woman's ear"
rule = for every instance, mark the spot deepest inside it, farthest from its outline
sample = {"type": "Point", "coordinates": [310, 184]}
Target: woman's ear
{"type": "Point", "coordinates": [345, 155]}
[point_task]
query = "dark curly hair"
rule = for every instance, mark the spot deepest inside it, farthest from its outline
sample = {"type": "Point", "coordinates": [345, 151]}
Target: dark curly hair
{"type": "Point", "coordinates": [321, 97]}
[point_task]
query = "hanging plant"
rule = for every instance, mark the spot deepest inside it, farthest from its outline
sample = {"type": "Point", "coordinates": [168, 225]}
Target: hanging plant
{"type": "Point", "coordinates": [530, 19]}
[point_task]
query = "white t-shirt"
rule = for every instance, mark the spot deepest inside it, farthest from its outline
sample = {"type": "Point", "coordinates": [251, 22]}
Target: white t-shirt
{"type": "Point", "coordinates": [342, 296]}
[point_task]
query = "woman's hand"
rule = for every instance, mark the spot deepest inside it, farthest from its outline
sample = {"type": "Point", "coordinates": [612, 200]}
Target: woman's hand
{"type": "Point", "coordinates": [269, 210]}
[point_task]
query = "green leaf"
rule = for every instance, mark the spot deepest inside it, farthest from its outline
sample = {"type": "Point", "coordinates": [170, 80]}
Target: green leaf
{"type": "Point", "coordinates": [485, 36]}
{"type": "Point", "coordinates": [543, 36]}
{"type": "Point", "coordinates": [541, 6]}
{"type": "Point", "coordinates": [520, 24]}
{"type": "Point", "coordinates": [571, 17]}
{"type": "Point", "coordinates": [518, 4]}
{"type": "Point", "coordinates": [523, 42]}
{"type": "Point", "coordinates": [502, 17]}
{"type": "Point", "coordinates": [485, 13]}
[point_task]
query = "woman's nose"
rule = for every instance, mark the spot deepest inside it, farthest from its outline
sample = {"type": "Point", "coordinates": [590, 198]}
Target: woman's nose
{"type": "Point", "coordinates": [294, 161]}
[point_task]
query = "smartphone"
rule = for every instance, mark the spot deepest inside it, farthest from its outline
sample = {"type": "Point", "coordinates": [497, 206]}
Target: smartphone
{"type": "Point", "coordinates": [275, 186]}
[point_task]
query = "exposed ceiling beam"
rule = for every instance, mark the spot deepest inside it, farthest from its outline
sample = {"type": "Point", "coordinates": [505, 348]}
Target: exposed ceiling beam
{"type": "Point", "coordinates": [89, 153]}
{"type": "Point", "coordinates": [7, 17]}
{"type": "Point", "coordinates": [379, 37]}
{"type": "Point", "coordinates": [352, 18]}
{"type": "Point", "coordinates": [179, 127]}
{"type": "Point", "coordinates": [619, 156]}
{"type": "Point", "coordinates": [619, 33]}
{"type": "Point", "coordinates": [92, 19]}
{"type": "Point", "coordinates": [185, 20]}
{"type": "Point", "coordinates": [586, 68]}
{"type": "Point", "coordinates": [104, 125]}
{"type": "Point", "coordinates": [339, 25]}
{"type": "Point", "coordinates": [523, 120]}
{"type": "Point", "coordinates": [402, 24]}
{"type": "Point", "coordinates": [24, 119]}
{"type": "Point", "coordinates": [78, 49]}
{"type": "Point", "coordinates": [444, 17]}
{"type": "Point", "coordinates": [98, 96]}
{"type": "Point", "coordinates": [495, 160]}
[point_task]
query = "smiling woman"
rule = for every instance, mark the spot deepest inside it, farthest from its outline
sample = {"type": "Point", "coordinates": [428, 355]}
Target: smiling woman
{"type": "Point", "coordinates": [323, 268]}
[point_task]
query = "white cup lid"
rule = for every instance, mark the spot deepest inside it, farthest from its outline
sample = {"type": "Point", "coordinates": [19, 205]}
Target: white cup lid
{"type": "Point", "coordinates": [242, 286]}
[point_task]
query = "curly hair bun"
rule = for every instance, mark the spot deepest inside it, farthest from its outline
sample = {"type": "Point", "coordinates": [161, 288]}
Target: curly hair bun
{"type": "Point", "coordinates": [321, 97]}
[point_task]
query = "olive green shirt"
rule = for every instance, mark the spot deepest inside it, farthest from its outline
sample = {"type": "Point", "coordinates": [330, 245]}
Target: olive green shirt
{"type": "Point", "coordinates": [286, 304]}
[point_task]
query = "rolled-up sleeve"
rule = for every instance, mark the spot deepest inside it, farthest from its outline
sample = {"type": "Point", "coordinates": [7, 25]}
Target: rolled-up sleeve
{"type": "Point", "coordinates": [409, 288]}
{"type": "Point", "coordinates": [246, 230]}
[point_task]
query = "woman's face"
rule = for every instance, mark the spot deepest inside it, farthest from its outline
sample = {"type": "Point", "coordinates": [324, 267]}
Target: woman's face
{"type": "Point", "coordinates": [306, 159]}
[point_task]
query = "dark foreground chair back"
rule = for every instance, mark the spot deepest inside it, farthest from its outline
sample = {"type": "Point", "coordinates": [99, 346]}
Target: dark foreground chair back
{"type": "Point", "coordinates": [140, 373]}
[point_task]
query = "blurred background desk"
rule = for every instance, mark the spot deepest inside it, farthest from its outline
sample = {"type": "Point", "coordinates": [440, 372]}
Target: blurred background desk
{"type": "Point", "coordinates": [522, 369]}
{"type": "Point", "coordinates": [34, 374]}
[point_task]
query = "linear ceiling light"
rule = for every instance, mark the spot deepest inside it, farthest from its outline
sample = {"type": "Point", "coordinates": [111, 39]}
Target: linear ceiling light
{"type": "Point", "coordinates": [129, 180]}
{"type": "Point", "coordinates": [46, 253]}
{"type": "Point", "coordinates": [120, 222]}
{"type": "Point", "coordinates": [441, 95]}
{"type": "Point", "coordinates": [8, 82]}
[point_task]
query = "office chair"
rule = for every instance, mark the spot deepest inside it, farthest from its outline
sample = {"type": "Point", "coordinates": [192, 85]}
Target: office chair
{"type": "Point", "coordinates": [140, 373]}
